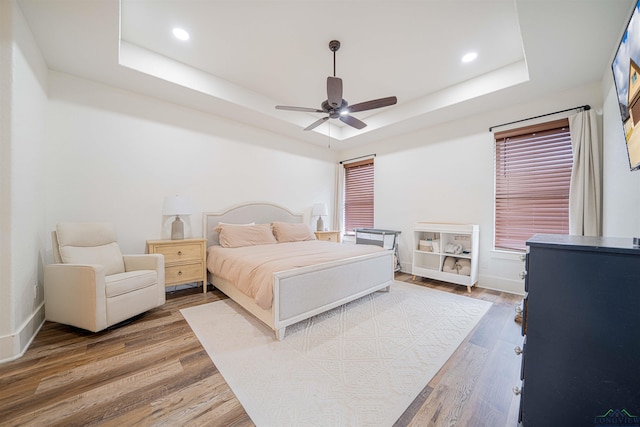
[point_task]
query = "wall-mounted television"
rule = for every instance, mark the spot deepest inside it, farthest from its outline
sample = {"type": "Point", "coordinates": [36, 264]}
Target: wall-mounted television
{"type": "Point", "coordinates": [626, 74]}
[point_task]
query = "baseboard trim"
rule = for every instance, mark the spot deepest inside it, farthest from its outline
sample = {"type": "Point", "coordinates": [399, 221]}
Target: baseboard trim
{"type": "Point", "coordinates": [488, 282]}
{"type": "Point", "coordinates": [501, 284]}
{"type": "Point", "coordinates": [14, 346]}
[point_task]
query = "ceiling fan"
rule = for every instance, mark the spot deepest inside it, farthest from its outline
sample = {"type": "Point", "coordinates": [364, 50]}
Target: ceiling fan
{"type": "Point", "coordinates": [337, 107]}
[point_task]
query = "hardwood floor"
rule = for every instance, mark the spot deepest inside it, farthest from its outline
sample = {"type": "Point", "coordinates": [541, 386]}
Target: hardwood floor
{"type": "Point", "coordinates": [153, 371]}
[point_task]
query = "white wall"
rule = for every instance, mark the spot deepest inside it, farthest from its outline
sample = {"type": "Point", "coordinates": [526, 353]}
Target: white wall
{"type": "Point", "coordinates": [114, 155]}
{"type": "Point", "coordinates": [445, 174]}
{"type": "Point", "coordinates": [621, 187]}
{"type": "Point", "coordinates": [22, 226]}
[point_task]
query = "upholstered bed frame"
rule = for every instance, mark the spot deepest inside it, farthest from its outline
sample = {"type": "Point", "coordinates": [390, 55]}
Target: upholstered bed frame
{"type": "Point", "coordinates": [304, 292]}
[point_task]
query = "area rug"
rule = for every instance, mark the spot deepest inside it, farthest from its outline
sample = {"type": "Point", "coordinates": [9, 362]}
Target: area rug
{"type": "Point", "coordinates": [361, 364]}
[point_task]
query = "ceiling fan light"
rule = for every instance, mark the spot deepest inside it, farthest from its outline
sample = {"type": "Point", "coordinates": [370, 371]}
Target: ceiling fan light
{"type": "Point", "coordinates": [180, 34]}
{"type": "Point", "coordinates": [336, 107]}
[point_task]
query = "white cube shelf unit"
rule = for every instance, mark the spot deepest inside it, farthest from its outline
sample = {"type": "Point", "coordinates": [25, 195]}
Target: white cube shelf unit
{"type": "Point", "coordinates": [434, 242]}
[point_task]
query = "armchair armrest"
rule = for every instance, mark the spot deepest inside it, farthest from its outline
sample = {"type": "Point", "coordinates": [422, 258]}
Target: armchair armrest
{"type": "Point", "coordinates": [75, 295]}
{"type": "Point", "coordinates": [148, 262]}
{"type": "Point", "coordinates": [143, 262]}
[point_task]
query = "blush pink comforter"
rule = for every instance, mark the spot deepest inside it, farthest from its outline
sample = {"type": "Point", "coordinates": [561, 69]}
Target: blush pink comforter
{"type": "Point", "coordinates": [251, 268]}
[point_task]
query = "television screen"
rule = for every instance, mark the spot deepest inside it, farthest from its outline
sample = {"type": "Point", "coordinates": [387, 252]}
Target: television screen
{"type": "Point", "coordinates": [626, 74]}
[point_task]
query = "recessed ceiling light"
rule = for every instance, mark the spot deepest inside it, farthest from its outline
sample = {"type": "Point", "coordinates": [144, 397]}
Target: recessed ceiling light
{"type": "Point", "coordinates": [180, 34]}
{"type": "Point", "coordinates": [469, 57]}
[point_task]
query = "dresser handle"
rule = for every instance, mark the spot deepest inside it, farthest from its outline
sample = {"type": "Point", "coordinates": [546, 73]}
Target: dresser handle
{"type": "Point", "coordinates": [518, 350]}
{"type": "Point", "coordinates": [179, 273]}
{"type": "Point", "coordinates": [523, 257]}
{"type": "Point", "coordinates": [179, 252]}
{"type": "Point", "coordinates": [517, 391]}
{"type": "Point", "coordinates": [522, 274]}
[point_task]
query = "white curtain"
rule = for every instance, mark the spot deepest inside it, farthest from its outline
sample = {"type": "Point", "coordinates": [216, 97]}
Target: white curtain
{"type": "Point", "coordinates": [338, 199]}
{"type": "Point", "coordinates": [585, 194]}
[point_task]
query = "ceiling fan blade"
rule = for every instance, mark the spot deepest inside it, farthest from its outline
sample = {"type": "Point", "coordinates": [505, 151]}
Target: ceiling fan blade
{"type": "Point", "coordinates": [353, 122]}
{"type": "Point", "coordinates": [317, 123]}
{"type": "Point", "coordinates": [304, 109]}
{"type": "Point", "coordinates": [373, 104]}
{"type": "Point", "coordinates": [334, 91]}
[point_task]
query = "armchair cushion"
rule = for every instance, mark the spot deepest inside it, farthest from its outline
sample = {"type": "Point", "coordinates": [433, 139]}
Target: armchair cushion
{"type": "Point", "coordinates": [131, 281]}
{"type": "Point", "coordinates": [90, 243]}
{"type": "Point", "coordinates": [108, 255]}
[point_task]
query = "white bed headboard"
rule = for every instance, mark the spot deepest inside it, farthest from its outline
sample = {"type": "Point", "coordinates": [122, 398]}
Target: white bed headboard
{"type": "Point", "coordinates": [258, 212]}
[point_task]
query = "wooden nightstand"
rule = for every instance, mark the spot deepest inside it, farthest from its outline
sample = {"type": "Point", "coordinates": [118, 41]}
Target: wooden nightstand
{"type": "Point", "coordinates": [184, 260]}
{"type": "Point", "coordinates": [329, 236]}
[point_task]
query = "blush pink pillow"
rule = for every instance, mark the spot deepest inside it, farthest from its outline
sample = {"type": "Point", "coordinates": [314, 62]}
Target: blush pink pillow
{"type": "Point", "coordinates": [235, 236]}
{"type": "Point", "coordinates": [287, 232]}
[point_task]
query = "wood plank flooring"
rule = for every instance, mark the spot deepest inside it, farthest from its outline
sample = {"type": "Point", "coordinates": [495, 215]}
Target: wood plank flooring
{"type": "Point", "coordinates": [153, 371]}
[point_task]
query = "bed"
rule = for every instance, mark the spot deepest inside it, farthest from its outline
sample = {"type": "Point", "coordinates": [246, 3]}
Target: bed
{"type": "Point", "coordinates": [302, 292]}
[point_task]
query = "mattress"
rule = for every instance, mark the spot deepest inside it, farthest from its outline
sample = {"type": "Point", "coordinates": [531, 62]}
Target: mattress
{"type": "Point", "coordinates": [251, 268]}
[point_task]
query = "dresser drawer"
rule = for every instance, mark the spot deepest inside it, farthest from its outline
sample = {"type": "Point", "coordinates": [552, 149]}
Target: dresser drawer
{"type": "Point", "coordinates": [523, 354]}
{"type": "Point", "coordinates": [180, 252]}
{"type": "Point", "coordinates": [525, 306]}
{"type": "Point", "coordinates": [185, 273]}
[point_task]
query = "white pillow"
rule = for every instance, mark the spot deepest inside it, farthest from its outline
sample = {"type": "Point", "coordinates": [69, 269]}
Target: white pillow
{"type": "Point", "coordinates": [108, 256]}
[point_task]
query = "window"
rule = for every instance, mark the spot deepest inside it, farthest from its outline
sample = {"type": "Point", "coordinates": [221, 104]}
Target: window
{"type": "Point", "coordinates": [533, 173]}
{"type": "Point", "coordinates": [358, 195]}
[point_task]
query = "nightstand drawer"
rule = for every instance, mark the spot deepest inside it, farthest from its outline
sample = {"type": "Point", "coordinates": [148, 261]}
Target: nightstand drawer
{"type": "Point", "coordinates": [329, 236]}
{"type": "Point", "coordinates": [180, 252]}
{"type": "Point", "coordinates": [185, 273]}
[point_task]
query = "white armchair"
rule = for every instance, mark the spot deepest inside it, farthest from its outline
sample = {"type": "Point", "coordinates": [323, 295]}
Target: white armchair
{"type": "Point", "coordinates": [92, 285]}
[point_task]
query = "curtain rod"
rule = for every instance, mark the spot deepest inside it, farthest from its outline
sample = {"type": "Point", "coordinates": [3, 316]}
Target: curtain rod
{"type": "Point", "coordinates": [356, 158]}
{"type": "Point", "coordinates": [584, 107]}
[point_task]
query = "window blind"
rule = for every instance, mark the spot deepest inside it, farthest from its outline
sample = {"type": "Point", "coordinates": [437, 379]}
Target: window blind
{"type": "Point", "coordinates": [358, 195]}
{"type": "Point", "coordinates": [533, 173]}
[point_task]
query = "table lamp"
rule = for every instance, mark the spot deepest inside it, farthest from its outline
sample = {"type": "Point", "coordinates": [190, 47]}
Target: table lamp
{"type": "Point", "coordinates": [319, 209]}
{"type": "Point", "coordinates": [176, 205]}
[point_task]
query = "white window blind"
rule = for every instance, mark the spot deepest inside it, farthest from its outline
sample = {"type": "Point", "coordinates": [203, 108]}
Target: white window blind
{"type": "Point", "coordinates": [358, 195]}
{"type": "Point", "coordinates": [533, 174]}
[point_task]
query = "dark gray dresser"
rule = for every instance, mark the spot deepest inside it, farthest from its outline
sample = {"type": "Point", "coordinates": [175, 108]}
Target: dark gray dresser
{"type": "Point", "coordinates": [581, 328]}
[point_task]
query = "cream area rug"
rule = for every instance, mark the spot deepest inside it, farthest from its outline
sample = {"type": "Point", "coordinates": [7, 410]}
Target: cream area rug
{"type": "Point", "coordinates": [361, 364]}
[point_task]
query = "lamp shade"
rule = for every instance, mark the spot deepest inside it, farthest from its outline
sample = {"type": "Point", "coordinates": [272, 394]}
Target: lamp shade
{"type": "Point", "coordinates": [176, 205]}
{"type": "Point", "coordinates": [319, 209]}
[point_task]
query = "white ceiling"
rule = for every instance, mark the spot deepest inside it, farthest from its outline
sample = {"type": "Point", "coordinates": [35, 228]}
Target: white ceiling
{"type": "Point", "coordinates": [244, 57]}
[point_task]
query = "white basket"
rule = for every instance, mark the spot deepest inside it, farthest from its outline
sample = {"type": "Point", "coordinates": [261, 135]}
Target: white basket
{"type": "Point", "coordinates": [425, 245]}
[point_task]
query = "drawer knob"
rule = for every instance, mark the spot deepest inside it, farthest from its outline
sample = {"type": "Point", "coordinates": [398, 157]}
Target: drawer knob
{"type": "Point", "coordinates": [518, 350]}
{"type": "Point", "coordinates": [179, 252]}
{"type": "Point", "coordinates": [517, 391]}
{"type": "Point", "coordinates": [522, 274]}
{"type": "Point", "coordinates": [523, 257]}
{"type": "Point", "coordinates": [179, 273]}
